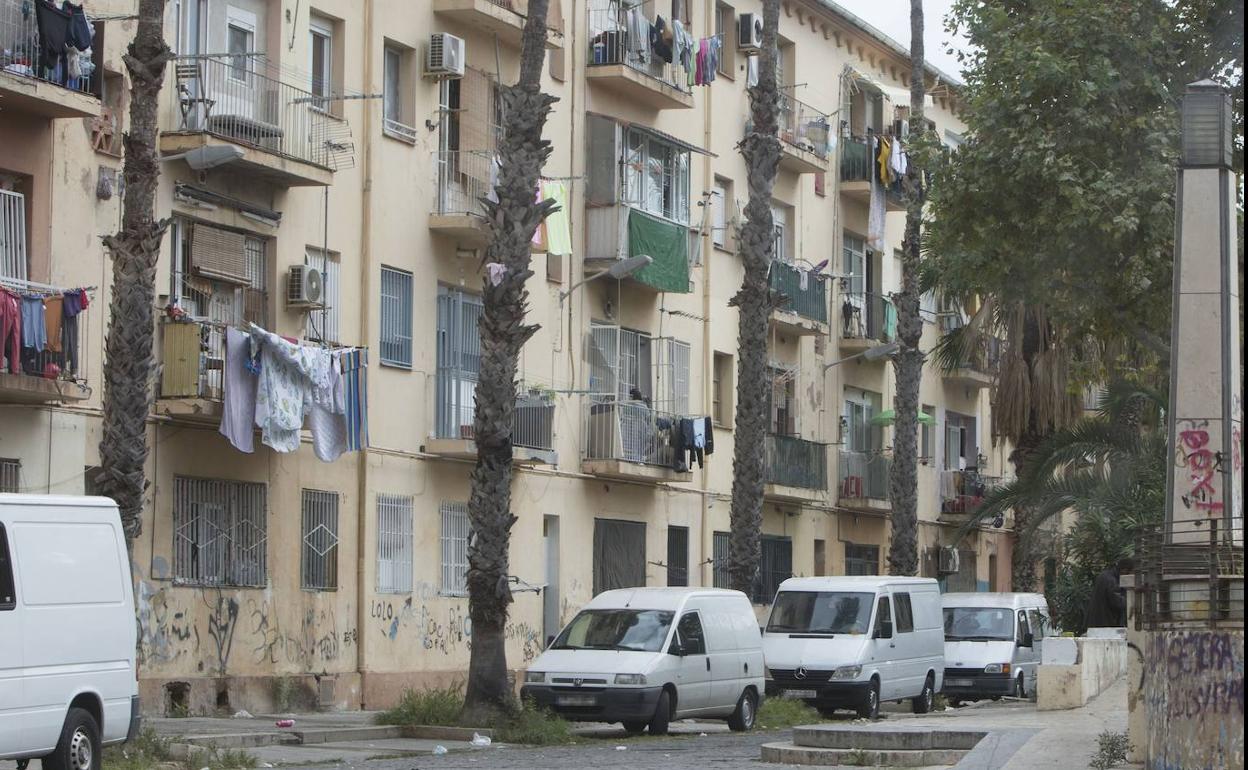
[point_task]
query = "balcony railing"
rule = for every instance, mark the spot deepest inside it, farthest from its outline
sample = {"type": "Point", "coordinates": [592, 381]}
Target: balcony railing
{"type": "Point", "coordinates": [867, 316]}
{"type": "Point", "coordinates": [796, 462]}
{"type": "Point", "coordinates": [462, 178]}
{"type": "Point", "coordinates": [803, 126]}
{"type": "Point", "coordinates": [808, 298]}
{"type": "Point", "coordinates": [20, 47]}
{"type": "Point", "coordinates": [629, 431]}
{"type": "Point", "coordinates": [57, 369]}
{"type": "Point", "coordinates": [532, 423]}
{"type": "Point", "coordinates": [864, 475]}
{"type": "Point", "coordinates": [858, 164]}
{"type": "Point", "coordinates": [1190, 571]}
{"type": "Point", "coordinates": [232, 98]}
{"type": "Point", "coordinates": [192, 360]}
{"type": "Point", "coordinates": [964, 491]}
{"type": "Point", "coordinates": [611, 41]}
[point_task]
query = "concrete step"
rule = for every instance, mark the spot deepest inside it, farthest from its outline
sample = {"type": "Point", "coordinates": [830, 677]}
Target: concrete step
{"type": "Point", "coordinates": [792, 754]}
{"type": "Point", "coordinates": [292, 737]}
{"type": "Point", "coordinates": [896, 737]}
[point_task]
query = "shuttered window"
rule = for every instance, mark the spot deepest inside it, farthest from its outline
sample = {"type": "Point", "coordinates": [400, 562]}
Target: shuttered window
{"type": "Point", "coordinates": [396, 317]}
{"type": "Point", "coordinates": [320, 540]}
{"type": "Point", "coordinates": [619, 554]}
{"type": "Point", "coordinates": [10, 475]}
{"type": "Point", "coordinates": [220, 532]}
{"type": "Point", "coordinates": [218, 253]}
{"type": "Point", "coordinates": [455, 534]}
{"type": "Point", "coordinates": [13, 235]}
{"type": "Point", "coordinates": [774, 567]}
{"type": "Point", "coordinates": [394, 544]}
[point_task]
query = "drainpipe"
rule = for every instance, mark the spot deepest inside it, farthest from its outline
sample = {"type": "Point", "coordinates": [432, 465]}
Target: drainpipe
{"type": "Point", "coordinates": [362, 458]}
{"type": "Point", "coordinates": [708, 352]}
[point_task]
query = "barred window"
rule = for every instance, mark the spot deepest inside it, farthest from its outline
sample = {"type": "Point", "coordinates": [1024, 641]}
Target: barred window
{"type": "Point", "coordinates": [320, 540]}
{"type": "Point", "coordinates": [455, 534]}
{"type": "Point", "coordinates": [719, 556]}
{"type": "Point", "coordinates": [10, 475]}
{"type": "Point", "coordinates": [394, 544]}
{"type": "Point", "coordinates": [220, 532]}
{"type": "Point", "coordinates": [775, 567]}
{"type": "Point", "coordinates": [862, 559]}
{"type": "Point", "coordinates": [396, 317]}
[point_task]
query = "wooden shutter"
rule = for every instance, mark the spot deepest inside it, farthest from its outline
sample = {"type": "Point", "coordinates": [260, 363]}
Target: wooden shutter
{"type": "Point", "coordinates": [218, 253]}
{"type": "Point", "coordinates": [477, 137]}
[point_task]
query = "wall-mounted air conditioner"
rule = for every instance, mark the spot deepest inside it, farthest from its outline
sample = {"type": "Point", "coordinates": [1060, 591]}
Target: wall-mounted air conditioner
{"type": "Point", "coordinates": [304, 287]}
{"type": "Point", "coordinates": [947, 561]}
{"type": "Point", "coordinates": [445, 57]}
{"type": "Point", "coordinates": [750, 32]}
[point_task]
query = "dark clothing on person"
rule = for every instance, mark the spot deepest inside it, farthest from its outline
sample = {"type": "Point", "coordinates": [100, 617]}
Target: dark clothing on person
{"type": "Point", "coordinates": [1107, 606]}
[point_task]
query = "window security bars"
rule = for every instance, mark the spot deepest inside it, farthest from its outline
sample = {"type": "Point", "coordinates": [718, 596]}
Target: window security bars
{"type": "Point", "coordinates": [320, 540]}
{"type": "Point", "coordinates": [220, 532]}
{"type": "Point", "coordinates": [394, 544]}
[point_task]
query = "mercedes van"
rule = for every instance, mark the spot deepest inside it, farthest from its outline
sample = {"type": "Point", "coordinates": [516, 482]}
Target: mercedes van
{"type": "Point", "coordinates": [646, 656]}
{"type": "Point", "coordinates": [68, 684]}
{"type": "Point", "coordinates": [854, 642]}
{"type": "Point", "coordinates": [992, 644]}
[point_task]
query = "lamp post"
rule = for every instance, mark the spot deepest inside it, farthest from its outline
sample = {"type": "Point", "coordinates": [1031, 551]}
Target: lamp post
{"type": "Point", "coordinates": [618, 270]}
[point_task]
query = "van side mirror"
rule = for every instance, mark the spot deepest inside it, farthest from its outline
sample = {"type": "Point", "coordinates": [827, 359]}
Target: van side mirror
{"type": "Point", "coordinates": [676, 649]}
{"type": "Point", "coordinates": [884, 630]}
{"type": "Point", "coordinates": [1028, 640]}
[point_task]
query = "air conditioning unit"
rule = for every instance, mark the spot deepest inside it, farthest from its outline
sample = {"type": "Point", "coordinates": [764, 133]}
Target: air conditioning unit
{"type": "Point", "coordinates": [304, 286]}
{"type": "Point", "coordinates": [445, 57]}
{"type": "Point", "coordinates": [901, 127]}
{"type": "Point", "coordinates": [947, 561]}
{"type": "Point", "coordinates": [750, 32]}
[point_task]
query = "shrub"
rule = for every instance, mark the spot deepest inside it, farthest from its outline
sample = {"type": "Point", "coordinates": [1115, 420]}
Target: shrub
{"type": "Point", "coordinates": [533, 726]}
{"type": "Point", "coordinates": [1111, 751]}
{"type": "Point", "coordinates": [521, 723]}
{"type": "Point", "coordinates": [435, 706]}
{"type": "Point", "coordinates": [778, 713]}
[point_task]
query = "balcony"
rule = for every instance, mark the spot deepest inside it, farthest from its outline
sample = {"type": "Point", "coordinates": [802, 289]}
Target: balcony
{"type": "Point", "coordinates": [867, 320]}
{"type": "Point", "coordinates": [502, 19]}
{"type": "Point", "coordinates": [962, 492]}
{"type": "Point", "coordinates": [192, 375]}
{"type": "Point", "coordinates": [462, 178]}
{"type": "Point", "coordinates": [286, 135]}
{"type": "Point", "coordinates": [53, 374]}
{"type": "Point", "coordinates": [976, 372]}
{"type": "Point", "coordinates": [532, 425]}
{"type": "Point", "coordinates": [806, 312]}
{"type": "Point", "coordinates": [857, 170]}
{"type": "Point", "coordinates": [864, 480]}
{"type": "Point", "coordinates": [797, 469]}
{"type": "Point", "coordinates": [628, 67]}
{"type": "Point", "coordinates": [25, 85]}
{"type": "Point", "coordinates": [619, 232]}
{"type": "Point", "coordinates": [629, 440]}
{"type": "Point", "coordinates": [803, 137]}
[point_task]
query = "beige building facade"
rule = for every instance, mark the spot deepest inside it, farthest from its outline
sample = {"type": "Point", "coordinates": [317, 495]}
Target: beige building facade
{"type": "Point", "coordinates": [327, 139]}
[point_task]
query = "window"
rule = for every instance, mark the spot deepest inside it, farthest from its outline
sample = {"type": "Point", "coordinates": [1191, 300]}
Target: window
{"type": "Point", "coordinates": [220, 532]}
{"type": "Point", "coordinates": [904, 612]}
{"type": "Point", "coordinates": [398, 104]}
{"type": "Point", "coordinates": [394, 544]}
{"type": "Point", "coordinates": [396, 317]}
{"type": "Point", "coordinates": [455, 534]}
{"type": "Point", "coordinates": [882, 617]}
{"type": "Point", "coordinates": [323, 321]}
{"type": "Point", "coordinates": [619, 554]}
{"type": "Point", "coordinates": [775, 566]}
{"type": "Point", "coordinates": [821, 557]}
{"type": "Point", "coordinates": [656, 176]}
{"type": "Point", "coordinates": [13, 261]}
{"type": "Point", "coordinates": [720, 547]}
{"type": "Point", "coordinates": [862, 559]}
{"type": "Point", "coordinates": [240, 42]}
{"type": "Point", "coordinates": [689, 634]}
{"type": "Point", "coordinates": [219, 275]}
{"type": "Point", "coordinates": [783, 403]}
{"type": "Point", "coordinates": [322, 61]}
{"type": "Point", "coordinates": [721, 390]}
{"type": "Point", "coordinates": [621, 364]}
{"type": "Point", "coordinates": [860, 434]}
{"type": "Point", "coordinates": [673, 377]}
{"type": "Point", "coordinates": [678, 556]}
{"type": "Point", "coordinates": [780, 216]}
{"type": "Point", "coordinates": [927, 434]}
{"type": "Point", "coordinates": [854, 253]}
{"type": "Point", "coordinates": [8, 590]}
{"type": "Point", "coordinates": [726, 29]}
{"type": "Point", "coordinates": [1024, 627]}
{"type": "Point", "coordinates": [722, 204]}
{"type": "Point", "coordinates": [320, 540]}
{"type": "Point", "coordinates": [10, 475]}
{"type": "Point", "coordinates": [459, 361]}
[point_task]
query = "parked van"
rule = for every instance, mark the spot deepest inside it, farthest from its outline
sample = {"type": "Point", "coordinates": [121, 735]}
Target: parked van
{"type": "Point", "coordinates": [646, 656]}
{"type": "Point", "coordinates": [68, 684]}
{"type": "Point", "coordinates": [992, 644]}
{"type": "Point", "coordinates": [853, 642]}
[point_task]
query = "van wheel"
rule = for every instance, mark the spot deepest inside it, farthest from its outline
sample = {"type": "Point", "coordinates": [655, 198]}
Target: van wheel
{"type": "Point", "coordinates": [1020, 686]}
{"type": "Point", "coordinates": [79, 745]}
{"type": "Point", "coordinates": [662, 714]}
{"type": "Point", "coordinates": [926, 702]}
{"type": "Point", "coordinates": [869, 708]}
{"type": "Point", "coordinates": [747, 709]}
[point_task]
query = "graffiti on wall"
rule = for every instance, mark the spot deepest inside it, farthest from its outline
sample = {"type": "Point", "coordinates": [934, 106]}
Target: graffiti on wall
{"type": "Point", "coordinates": [1202, 461]}
{"type": "Point", "coordinates": [317, 641]}
{"type": "Point", "coordinates": [166, 630]}
{"type": "Point", "coordinates": [446, 629]}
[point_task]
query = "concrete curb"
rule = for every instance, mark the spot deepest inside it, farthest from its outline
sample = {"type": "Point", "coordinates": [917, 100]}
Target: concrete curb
{"type": "Point", "coordinates": [445, 733]}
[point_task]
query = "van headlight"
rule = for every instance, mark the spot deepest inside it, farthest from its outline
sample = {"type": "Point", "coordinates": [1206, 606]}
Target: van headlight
{"type": "Point", "coordinates": [534, 677]}
{"type": "Point", "coordinates": [846, 672]}
{"type": "Point", "coordinates": [997, 668]}
{"type": "Point", "coordinates": [630, 678]}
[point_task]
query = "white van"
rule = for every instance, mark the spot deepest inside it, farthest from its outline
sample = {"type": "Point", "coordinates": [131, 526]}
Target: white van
{"type": "Point", "coordinates": [992, 644]}
{"type": "Point", "coordinates": [68, 684]}
{"type": "Point", "coordinates": [645, 656]}
{"type": "Point", "coordinates": [853, 642]}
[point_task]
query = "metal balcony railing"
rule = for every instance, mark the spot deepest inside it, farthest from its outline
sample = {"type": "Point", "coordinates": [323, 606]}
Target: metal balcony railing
{"type": "Point", "coordinates": [803, 126]}
{"type": "Point", "coordinates": [192, 359]}
{"type": "Point", "coordinates": [859, 165]}
{"type": "Point", "coordinates": [866, 316]}
{"type": "Point", "coordinates": [796, 462]}
{"type": "Point", "coordinates": [612, 41]}
{"type": "Point", "coordinates": [232, 98]}
{"type": "Point", "coordinates": [1190, 571]}
{"type": "Point", "coordinates": [532, 423]}
{"type": "Point", "coordinates": [20, 47]}
{"type": "Point", "coordinates": [963, 491]}
{"type": "Point", "coordinates": [462, 179]}
{"type": "Point", "coordinates": [61, 357]}
{"type": "Point", "coordinates": [808, 295]}
{"type": "Point", "coordinates": [864, 475]}
{"type": "Point", "coordinates": [630, 431]}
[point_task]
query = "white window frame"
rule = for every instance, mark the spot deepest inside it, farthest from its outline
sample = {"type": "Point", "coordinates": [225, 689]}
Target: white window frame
{"type": "Point", "coordinates": [394, 544]}
{"type": "Point", "coordinates": [719, 212]}
{"type": "Point", "coordinates": [396, 317]}
{"type": "Point", "coordinates": [454, 537]}
{"type": "Point", "coordinates": [330, 265]}
{"type": "Point", "coordinates": [240, 63]}
{"type": "Point", "coordinates": [396, 112]}
{"type": "Point", "coordinates": [673, 168]}
{"type": "Point", "coordinates": [321, 83]}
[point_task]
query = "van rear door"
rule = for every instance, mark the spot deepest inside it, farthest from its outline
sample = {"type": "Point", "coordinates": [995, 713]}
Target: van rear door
{"type": "Point", "coordinates": [12, 727]}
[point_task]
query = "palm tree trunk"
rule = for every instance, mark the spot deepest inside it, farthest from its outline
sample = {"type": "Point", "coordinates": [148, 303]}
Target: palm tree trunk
{"type": "Point", "coordinates": [128, 354]}
{"type": "Point", "coordinates": [755, 302]}
{"type": "Point", "coordinates": [1024, 552]}
{"type": "Point", "coordinates": [903, 550]}
{"type": "Point", "coordinates": [513, 220]}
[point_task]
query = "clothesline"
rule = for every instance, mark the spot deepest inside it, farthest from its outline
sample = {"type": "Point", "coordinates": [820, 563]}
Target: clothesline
{"type": "Point", "coordinates": [46, 289]}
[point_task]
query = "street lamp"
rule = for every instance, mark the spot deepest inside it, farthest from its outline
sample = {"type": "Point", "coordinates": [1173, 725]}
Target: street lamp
{"type": "Point", "coordinates": [870, 354]}
{"type": "Point", "coordinates": [620, 269]}
{"type": "Point", "coordinates": [1206, 126]}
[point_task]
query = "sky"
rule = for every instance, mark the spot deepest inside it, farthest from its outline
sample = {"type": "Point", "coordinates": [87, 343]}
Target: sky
{"type": "Point", "coordinates": [892, 17]}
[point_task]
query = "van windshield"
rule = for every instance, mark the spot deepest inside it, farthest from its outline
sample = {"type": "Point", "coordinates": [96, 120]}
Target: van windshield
{"type": "Point", "coordinates": [821, 612]}
{"type": "Point", "coordinates": [639, 630]}
{"type": "Point", "coordinates": [978, 624]}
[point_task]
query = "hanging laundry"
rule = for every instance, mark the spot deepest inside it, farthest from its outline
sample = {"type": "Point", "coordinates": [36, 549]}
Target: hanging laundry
{"type": "Point", "coordinates": [73, 303]}
{"type": "Point", "coordinates": [884, 152]}
{"type": "Point", "coordinates": [558, 227]}
{"type": "Point", "coordinates": [327, 418]}
{"type": "Point", "coordinates": [638, 34]}
{"type": "Point", "coordinates": [875, 209]}
{"type": "Point", "coordinates": [660, 40]}
{"type": "Point", "coordinates": [34, 325]}
{"type": "Point", "coordinates": [539, 234]}
{"type": "Point", "coordinates": [11, 331]}
{"type": "Point", "coordinates": [713, 53]}
{"type": "Point", "coordinates": [496, 271]}
{"type": "Point", "coordinates": [898, 162]}
{"type": "Point", "coordinates": [700, 75]}
{"type": "Point", "coordinates": [238, 409]}
{"type": "Point", "coordinates": [53, 25]}
{"type": "Point", "coordinates": [751, 71]}
{"type": "Point", "coordinates": [289, 374]}
{"type": "Point", "coordinates": [53, 316]}
{"type": "Point", "coordinates": [354, 366]}
{"type": "Point", "coordinates": [890, 322]}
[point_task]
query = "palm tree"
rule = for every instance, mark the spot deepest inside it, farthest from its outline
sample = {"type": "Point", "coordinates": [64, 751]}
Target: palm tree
{"type": "Point", "coordinates": [512, 221]}
{"type": "Point", "coordinates": [903, 550]}
{"type": "Point", "coordinates": [135, 249]}
{"type": "Point", "coordinates": [755, 302]}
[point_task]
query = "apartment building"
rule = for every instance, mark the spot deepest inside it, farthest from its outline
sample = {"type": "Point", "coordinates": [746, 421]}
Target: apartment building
{"type": "Point", "coordinates": [323, 171]}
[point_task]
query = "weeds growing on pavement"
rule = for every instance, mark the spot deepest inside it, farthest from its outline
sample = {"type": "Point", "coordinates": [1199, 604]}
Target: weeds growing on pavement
{"type": "Point", "coordinates": [777, 713]}
{"type": "Point", "coordinates": [524, 723]}
{"type": "Point", "coordinates": [1111, 751]}
{"type": "Point", "coordinates": [435, 706]}
{"type": "Point", "coordinates": [533, 726]}
{"type": "Point", "coordinates": [856, 758]}
{"type": "Point", "coordinates": [940, 702]}
{"type": "Point", "coordinates": [149, 750]}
